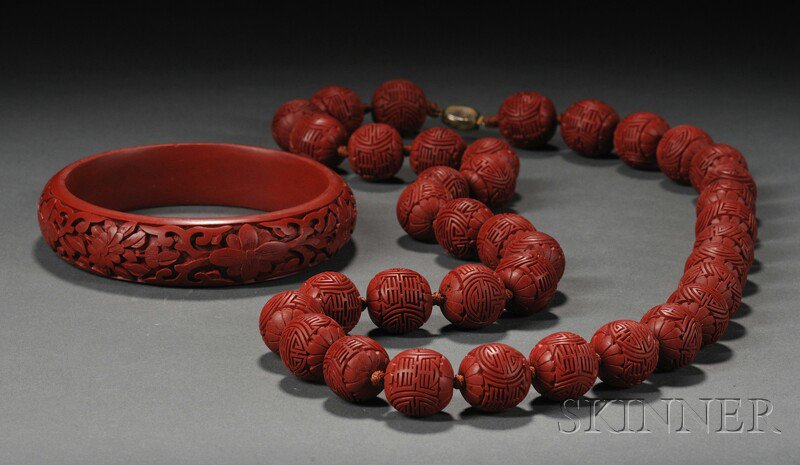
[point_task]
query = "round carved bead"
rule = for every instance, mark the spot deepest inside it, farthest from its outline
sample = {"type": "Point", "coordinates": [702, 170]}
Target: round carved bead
{"type": "Point", "coordinates": [707, 306]}
{"type": "Point", "coordinates": [419, 382]}
{"type": "Point", "coordinates": [678, 334]}
{"type": "Point", "coordinates": [282, 308]}
{"type": "Point", "coordinates": [348, 367]}
{"type": "Point", "coordinates": [527, 119]}
{"type": "Point", "coordinates": [438, 146]}
{"type": "Point", "coordinates": [495, 146]}
{"type": "Point", "coordinates": [457, 224]}
{"type": "Point", "coordinates": [716, 274]}
{"type": "Point", "coordinates": [730, 212]}
{"type": "Point", "coordinates": [628, 352]}
{"type": "Point", "coordinates": [709, 156]}
{"type": "Point", "coordinates": [565, 366]}
{"type": "Point", "coordinates": [304, 342]}
{"type": "Point", "coordinates": [474, 296]}
{"type": "Point", "coordinates": [726, 190]}
{"type": "Point", "coordinates": [491, 179]}
{"type": "Point", "coordinates": [286, 117]}
{"type": "Point", "coordinates": [337, 295]}
{"type": "Point", "coordinates": [538, 243]}
{"type": "Point", "coordinates": [418, 206]}
{"type": "Point", "coordinates": [497, 377]}
{"type": "Point", "coordinates": [719, 251]}
{"type": "Point", "coordinates": [677, 148]}
{"type": "Point", "coordinates": [495, 234]}
{"type": "Point", "coordinates": [729, 170]}
{"type": "Point", "coordinates": [400, 104]}
{"type": "Point", "coordinates": [399, 300]}
{"type": "Point", "coordinates": [318, 136]}
{"type": "Point", "coordinates": [587, 127]}
{"type": "Point", "coordinates": [375, 152]}
{"type": "Point", "coordinates": [341, 103]}
{"type": "Point", "coordinates": [449, 177]}
{"type": "Point", "coordinates": [729, 234]}
{"type": "Point", "coordinates": [636, 138]}
{"type": "Point", "coordinates": [531, 280]}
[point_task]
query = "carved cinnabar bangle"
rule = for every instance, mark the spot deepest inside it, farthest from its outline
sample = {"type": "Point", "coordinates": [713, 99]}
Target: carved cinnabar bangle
{"type": "Point", "coordinates": [309, 214]}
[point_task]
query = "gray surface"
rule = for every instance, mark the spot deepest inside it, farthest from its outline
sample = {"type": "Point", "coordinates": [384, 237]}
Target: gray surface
{"type": "Point", "coordinates": [97, 371]}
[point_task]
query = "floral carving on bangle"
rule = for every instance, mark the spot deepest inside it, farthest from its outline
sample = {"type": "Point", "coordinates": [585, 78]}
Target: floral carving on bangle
{"type": "Point", "coordinates": [247, 256]}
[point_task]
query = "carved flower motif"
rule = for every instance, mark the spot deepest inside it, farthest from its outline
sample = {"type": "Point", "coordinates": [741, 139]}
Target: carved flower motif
{"type": "Point", "coordinates": [247, 255]}
{"type": "Point", "coordinates": [108, 243]}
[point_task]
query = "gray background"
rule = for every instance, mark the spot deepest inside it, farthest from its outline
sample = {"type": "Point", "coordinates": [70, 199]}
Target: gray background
{"type": "Point", "coordinates": [97, 371]}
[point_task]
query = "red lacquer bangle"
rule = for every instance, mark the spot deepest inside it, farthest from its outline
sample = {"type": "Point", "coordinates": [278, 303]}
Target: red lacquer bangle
{"type": "Point", "coordinates": [309, 214]}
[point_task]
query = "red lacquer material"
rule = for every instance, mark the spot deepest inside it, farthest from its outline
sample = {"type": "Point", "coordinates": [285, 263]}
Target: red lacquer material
{"type": "Point", "coordinates": [495, 234]}
{"type": "Point", "coordinates": [349, 365]}
{"type": "Point", "coordinates": [730, 171]}
{"type": "Point", "coordinates": [473, 296]}
{"type": "Point", "coordinates": [495, 146]}
{"type": "Point", "coordinates": [527, 119]}
{"type": "Point", "coordinates": [636, 138]}
{"type": "Point", "coordinates": [304, 342]}
{"type": "Point", "coordinates": [730, 234]}
{"type": "Point", "coordinates": [457, 224]}
{"type": "Point", "coordinates": [677, 148]}
{"type": "Point", "coordinates": [709, 156]}
{"type": "Point", "coordinates": [587, 127]}
{"type": "Point", "coordinates": [337, 295]}
{"type": "Point", "coordinates": [282, 308]}
{"type": "Point", "coordinates": [726, 190]}
{"type": "Point", "coordinates": [496, 377]}
{"type": "Point", "coordinates": [678, 334]}
{"type": "Point", "coordinates": [628, 352]}
{"type": "Point", "coordinates": [716, 274]}
{"type": "Point", "coordinates": [318, 136]}
{"type": "Point", "coordinates": [341, 103]}
{"type": "Point", "coordinates": [707, 306]}
{"type": "Point", "coordinates": [399, 300]}
{"type": "Point", "coordinates": [400, 104]}
{"type": "Point", "coordinates": [309, 214]}
{"type": "Point", "coordinates": [538, 243]}
{"type": "Point", "coordinates": [418, 206]}
{"type": "Point", "coordinates": [449, 177]}
{"type": "Point", "coordinates": [419, 382]}
{"type": "Point", "coordinates": [286, 117]}
{"type": "Point", "coordinates": [375, 152]}
{"type": "Point", "coordinates": [565, 366]}
{"type": "Point", "coordinates": [728, 212]}
{"type": "Point", "coordinates": [721, 252]}
{"type": "Point", "coordinates": [531, 280]}
{"type": "Point", "coordinates": [491, 179]}
{"type": "Point", "coordinates": [437, 146]}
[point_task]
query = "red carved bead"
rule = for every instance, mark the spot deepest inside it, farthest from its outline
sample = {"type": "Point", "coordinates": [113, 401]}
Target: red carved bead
{"type": "Point", "coordinates": [628, 352]}
{"type": "Point", "coordinates": [449, 177]}
{"type": "Point", "coordinates": [286, 117]}
{"type": "Point", "coordinates": [729, 170]}
{"type": "Point", "coordinates": [718, 251]}
{"type": "Point", "coordinates": [337, 295]}
{"type": "Point", "coordinates": [587, 127]}
{"type": "Point", "coordinates": [375, 151]}
{"type": "Point", "coordinates": [493, 145]}
{"type": "Point", "coordinates": [729, 212]}
{"type": "Point", "coordinates": [437, 146]}
{"type": "Point", "coordinates": [725, 190]}
{"type": "Point", "coordinates": [341, 103]}
{"type": "Point", "coordinates": [491, 179]}
{"type": "Point", "coordinates": [400, 104]}
{"type": "Point", "coordinates": [677, 148]}
{"type": "Point", "coordinates": [538, 243]}
{"type": "Point", "coordinates": [565, 366]}
{"type": "Point", "coordinates": [319, 136]}
{"type": "Point", "coordinates": [716, 274]}
{"type": "Point", "coordinates": [678, 334]}
{"type": "Point", "coordinates": [348, 367]}
{"type": "Point", "coordinates": [527, 119]}
{"type": "Point", "coordinates": [495, 234]}
{"type": "Point", "coordinates": [531, 280]}
{"type": "Point", "coordinates": [729, 234]}
{"type": "Point", "coordinates": [636, 138]}
{"type": "Point", "coordinates": [399, 300]}
{"type": "Point", "coordinates": [304, 342]}
{"type": "Point", "coordinates": [457, 224]}
{"type": "Point", "coordinates": [474, 296]}
{"type": "Point", "coordinates": [707, 306]}
{"type": "Point", "coordinates": [709, 156]}
{"type": "Point", "coordinates": [282, 308]}
{"type": "Point", "coordinates": [419, 382]}
{"type": "Point", "coordinates": [497, 377]}
{"type": "Point", "coordinates": [418, 206]}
